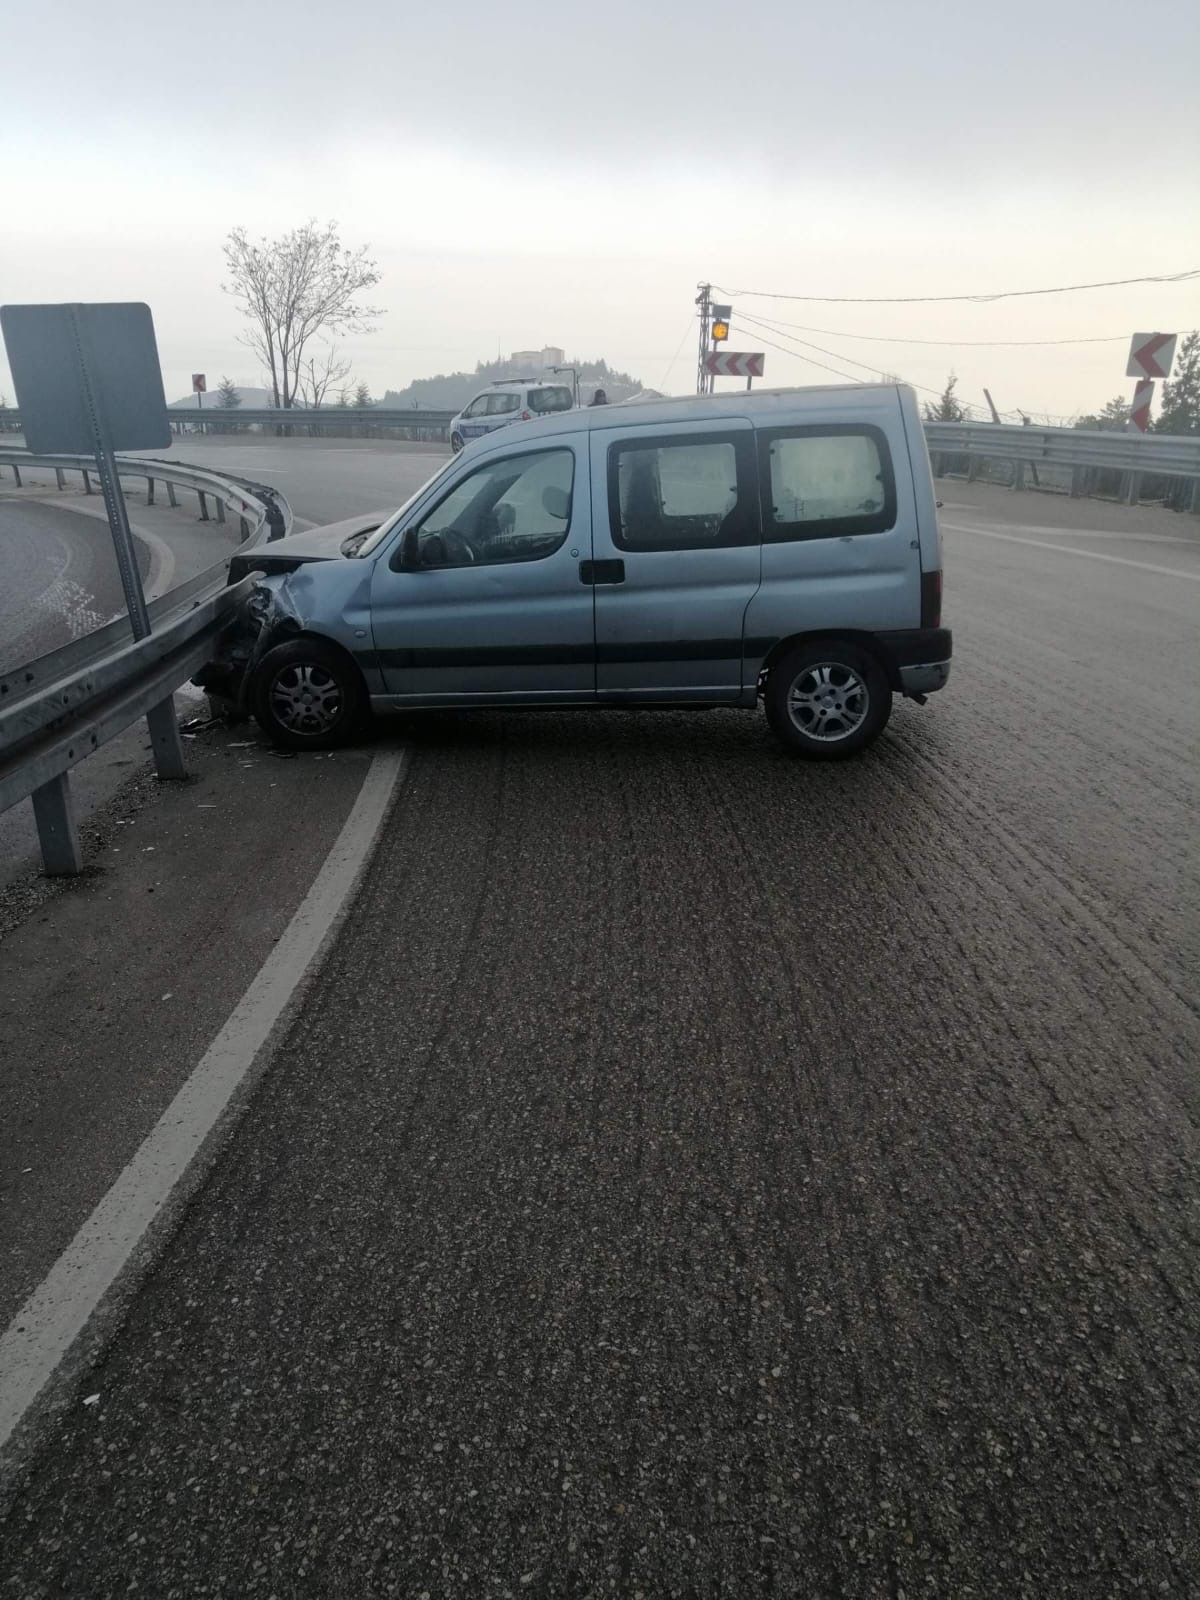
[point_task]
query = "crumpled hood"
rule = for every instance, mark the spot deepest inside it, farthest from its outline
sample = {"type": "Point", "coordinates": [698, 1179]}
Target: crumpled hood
{"type": "Point", "coordinates": [322, 544]}
{"type": "Point", "coordinates": [314, 544]}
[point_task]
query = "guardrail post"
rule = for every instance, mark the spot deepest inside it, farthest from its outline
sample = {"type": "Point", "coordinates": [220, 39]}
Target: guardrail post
{"type": "Point", "coordinates": [87, 482]}
{"type": "Point", "coordinates": [220, 505]}
{"type": "Point", "coordinates": [165, 740]}
{"type": "Point", "coordinates": [203, 499]}
{"type": "Point", "coordinates": [1133, 491]}
{"type": "Point", "coordinates": [17, 474]}
{"type": "Point", "coordinates": [171, 493]}
{"type": "Point", "coordinates": [59, 479]}
{"type": "Point", "coordinates": [149, 491]}
{"type": "Point", "coordinates": [57, 833]}
{"type": "Point", "coordinates": [1077, 482]}
{"type": "Point", "coordinates": [1018, 475]}
{"type": "Point", "coordinates": [972, 468]}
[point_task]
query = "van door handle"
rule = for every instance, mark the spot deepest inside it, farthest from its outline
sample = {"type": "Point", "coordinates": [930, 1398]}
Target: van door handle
{"type": "Point", "coordinates": [602, 572]}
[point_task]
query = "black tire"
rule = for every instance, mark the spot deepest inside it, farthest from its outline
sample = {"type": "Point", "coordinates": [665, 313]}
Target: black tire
{"type": "Point", "coordinates": [337, 705]}
{"type": "Point", "coordinates": [456, 442]}
{"type": "Point", "coordinates": [827, 700]}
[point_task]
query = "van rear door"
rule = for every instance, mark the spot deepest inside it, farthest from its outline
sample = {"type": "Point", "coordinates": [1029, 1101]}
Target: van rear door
{"type": "Point", "coordinates": [676, 558]}
{"type": "Point", "coordinates": [840, 526]}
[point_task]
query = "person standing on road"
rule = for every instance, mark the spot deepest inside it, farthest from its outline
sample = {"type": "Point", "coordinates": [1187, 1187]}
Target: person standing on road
{"type": "Point", "coordinates": [598, 399]}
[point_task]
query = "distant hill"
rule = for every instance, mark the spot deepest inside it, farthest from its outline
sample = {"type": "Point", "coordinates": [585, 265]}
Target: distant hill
{"type": "Point", "coordinates": [450, 391]}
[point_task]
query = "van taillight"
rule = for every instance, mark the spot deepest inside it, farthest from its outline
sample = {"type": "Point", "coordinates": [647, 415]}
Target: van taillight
{"type": "Point", "coordinates": [931, 599]}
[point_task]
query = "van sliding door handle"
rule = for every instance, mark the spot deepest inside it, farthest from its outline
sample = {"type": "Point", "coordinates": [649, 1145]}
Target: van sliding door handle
{"type": "Point", "coordinates": [602, 572]}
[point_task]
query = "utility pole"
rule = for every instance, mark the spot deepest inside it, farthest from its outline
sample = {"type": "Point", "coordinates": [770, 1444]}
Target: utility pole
{"type": "Point", "coordinates": [704, 301]}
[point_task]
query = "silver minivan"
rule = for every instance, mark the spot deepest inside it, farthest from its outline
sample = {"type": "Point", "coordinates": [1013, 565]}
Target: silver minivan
{"type": "Point", "coordinates": [720, 550]}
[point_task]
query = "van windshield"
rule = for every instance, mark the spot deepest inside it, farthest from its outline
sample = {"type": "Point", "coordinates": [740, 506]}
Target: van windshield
{"type": "Point", "coordinates": [384, 528]}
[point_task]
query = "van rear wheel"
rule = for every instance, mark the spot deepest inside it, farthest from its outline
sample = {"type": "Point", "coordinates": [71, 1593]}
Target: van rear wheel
{"type": "Point", "coordinates": [827, 700]}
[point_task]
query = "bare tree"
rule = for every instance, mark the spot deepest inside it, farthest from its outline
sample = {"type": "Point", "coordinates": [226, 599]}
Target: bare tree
{"type": "Point", "coordinates": [294, 288]}
{"type": "Point", "coordinates": [321, 374]}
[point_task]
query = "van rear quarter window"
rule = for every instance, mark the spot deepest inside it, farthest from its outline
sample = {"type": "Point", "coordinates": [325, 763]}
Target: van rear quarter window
{"type": "Point", "coordinates": [826, 482]}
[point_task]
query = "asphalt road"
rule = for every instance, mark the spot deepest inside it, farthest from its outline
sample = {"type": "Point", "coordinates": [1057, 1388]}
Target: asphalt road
{"type": "Point", "coordinates": [60, 577]}
{"type": "Point", "coordinates": [697, 1173]}
{"type": "Point", "coordinates": [324, 479]}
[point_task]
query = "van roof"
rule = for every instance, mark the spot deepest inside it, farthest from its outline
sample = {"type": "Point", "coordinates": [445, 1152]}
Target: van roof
{"type": "Point", "coordinates": [758, 405]}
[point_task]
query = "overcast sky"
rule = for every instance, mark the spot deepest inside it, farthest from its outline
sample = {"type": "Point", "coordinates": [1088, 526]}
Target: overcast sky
{"type": "Point", "coordinates": [566, 173]}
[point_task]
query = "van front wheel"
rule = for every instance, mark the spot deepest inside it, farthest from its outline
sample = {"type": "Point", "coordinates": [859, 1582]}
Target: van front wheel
{"type": "Point", "coordinates": [305, 695]}
{"type": "Point", "coordinates": [827, 700]}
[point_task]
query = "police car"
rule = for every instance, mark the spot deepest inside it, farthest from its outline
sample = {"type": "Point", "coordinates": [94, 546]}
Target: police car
{"type": "Point", "coordinates": [508, 400]}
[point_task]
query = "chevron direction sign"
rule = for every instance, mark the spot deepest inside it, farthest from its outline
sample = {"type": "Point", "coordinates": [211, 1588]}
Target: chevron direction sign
{"type": "Point", "coordinates": [1151, 355]}
{"type": "Point", "coordinates": [735, 363]}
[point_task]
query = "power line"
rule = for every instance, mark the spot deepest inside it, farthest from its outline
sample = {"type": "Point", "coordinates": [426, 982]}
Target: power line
{"type": "Point", "coordinates": [878, 371]}
{"type": "Point", "coordinates": [926, 299]}
{"type": "Point", "coordinates": [776, 327]}
{"type": "Point", "coordinates": [662, 384]}
{"type": "Point", "coordinates": [800, 356]}
{"type": "Point", "coordinates": [883, 338]}
{"type": "Point", "coordinates": [772, 327]}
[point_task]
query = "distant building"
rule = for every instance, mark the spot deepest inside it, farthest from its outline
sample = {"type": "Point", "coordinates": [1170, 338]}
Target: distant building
{"type": "Point", "coordinates": [535, 362]}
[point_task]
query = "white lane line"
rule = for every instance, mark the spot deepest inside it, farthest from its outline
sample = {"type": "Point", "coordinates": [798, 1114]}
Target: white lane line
{"type": "Point", "coordinates": [1072, 550]}
{"type": "Point", "coordinates": [57, 1312]}
{"type": "Point", "coordinates": [161, 575]}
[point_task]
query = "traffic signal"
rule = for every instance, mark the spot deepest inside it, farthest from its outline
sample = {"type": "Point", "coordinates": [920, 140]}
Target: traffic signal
{"type": "Point", "coordinates": [720, 323]}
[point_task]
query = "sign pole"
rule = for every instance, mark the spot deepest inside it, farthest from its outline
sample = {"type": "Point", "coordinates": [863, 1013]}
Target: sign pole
{"type": "Point", "coordinates": [110, 483]}
{"type": "Point", "coordinates": [703, 300]}
{"type": "Point", "coordinates": [160, 719]}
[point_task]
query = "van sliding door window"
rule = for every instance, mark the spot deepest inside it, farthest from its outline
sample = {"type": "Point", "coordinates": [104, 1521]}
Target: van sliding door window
{"type": "Point", "coordinates": [681, 493]}
{"type": "Point", "coordinates": [824, 483]}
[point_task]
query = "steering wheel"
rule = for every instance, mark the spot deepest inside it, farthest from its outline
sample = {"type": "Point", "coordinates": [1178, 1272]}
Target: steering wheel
{"type": "Point", "coordinates": [456, 549]}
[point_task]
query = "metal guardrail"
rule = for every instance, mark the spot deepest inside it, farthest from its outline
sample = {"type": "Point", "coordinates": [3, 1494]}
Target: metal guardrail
{"type": "Point", "coordinates": [1165, 454]}
{"type": "Point", "coordinates": [296, 419]}
{"type": "Point", "coordinates": [1082, 451]}
{"type": "Point", "coordinates": [59, 708]}
{"type": "Point", "coordinates": [251, 503]}
{"type": "Point", "coordinates": [300, 418]}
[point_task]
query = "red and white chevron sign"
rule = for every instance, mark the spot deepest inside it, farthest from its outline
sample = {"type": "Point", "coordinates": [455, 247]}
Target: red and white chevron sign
{"type": "Point", "coordinates": [735, 363]}
{"type": "Point", "coordinates": [1151, 355]}
{"type": "Point", "coordinates": [1143, 397]}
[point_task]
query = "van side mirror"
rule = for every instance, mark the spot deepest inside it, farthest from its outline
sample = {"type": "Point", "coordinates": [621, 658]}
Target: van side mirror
{"type": "Point", "coordinates": [410, 550]}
